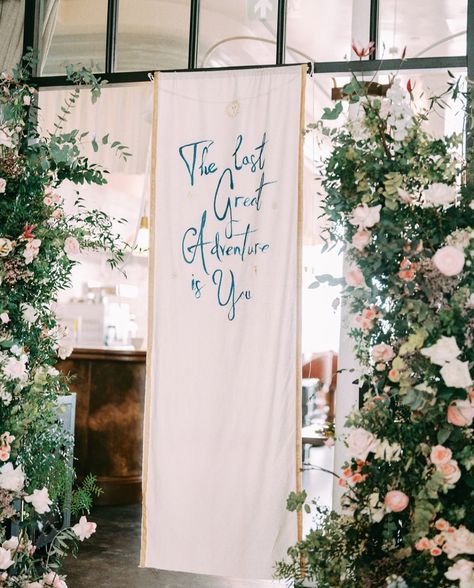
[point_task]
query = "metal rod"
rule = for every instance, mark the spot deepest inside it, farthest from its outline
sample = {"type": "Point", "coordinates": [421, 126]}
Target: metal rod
{"type": "Point", "coordinates": [111, 35]}
{"type": "Point", "coordinates": [193, 34]}
{"type": "Point", "coordinates": [281, 32]}
{"type": "Point", "coordinates": [328, 67]}
{"type": "Point", "coordinates": [374, 27]}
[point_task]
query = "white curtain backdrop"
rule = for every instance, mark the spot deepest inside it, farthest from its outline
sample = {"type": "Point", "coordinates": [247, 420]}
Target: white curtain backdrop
{"type": "Point", "coordinates": [11, 32]}
{"type": "Point", "coordinates": [224, 364]}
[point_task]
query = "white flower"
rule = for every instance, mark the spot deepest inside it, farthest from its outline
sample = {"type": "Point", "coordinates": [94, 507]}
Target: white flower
{"type": "Point", "coordinates": [462, 570]}
{"type": "Point", "coordinates": [438, 194]}
{"type": "Point", "coordinates": [4, 318]}
{"type": "Point", "coordinates": [30, 314]}
{"type": "Point", "coordinates": [461, 541]}
{"type": "Point", "coordinates": [376, 508]}
{"type": "Point", "coordinates": [40, 500]}
{"type": "Point", "coordinates": [84, 528]}
{"type": "Point", "coordinates": [5, 559]}
{"type": "Point", "coordinates": [65, 350]}
{"type": "Point", "coordinates": [16, 350]}
{"type": "Point", "coordinates": [6, 138]}
{"type": "Point", "coordinates": [3, 185]}
{"type": "Point", "coordinates": [443, 351]}
{"type": "Point", "coordinates": [460, 238]}
{"type": "Point", "coordinates": [16, 368]}
{"type": "Point", "coordinates": [388, 451]}
{"type": "Point", "coordinates": [364, 216]}
{"type": "Point", "coordinates": [456, 374]}
{"type": "Point", "coordinates": [5, 396]}
{"type": "Point", "coordinates": [12, 479]}
{"type": "Point", "coordinates": [449, 260]}
{"type": "Point", "coordinates": [361, 443]}
{"type": "Point", "coordinates": [31, 250]}
{"type": "Point", "coordinates": [11, 544]}
{"type": "Point", "coordinates": [5, 247]}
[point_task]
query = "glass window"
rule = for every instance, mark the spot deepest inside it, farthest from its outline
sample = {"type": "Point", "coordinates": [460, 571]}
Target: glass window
{"type": "Point", "coordinates": [323, 30]}
{"type": "Point", "coordinates": [427, 29]}
{"type": "Point", "coordinates": [152, 34]}
{"type": "Point", "coordinates": [241, 32]}
{"type": "Point", "coordinates": [72, 31]}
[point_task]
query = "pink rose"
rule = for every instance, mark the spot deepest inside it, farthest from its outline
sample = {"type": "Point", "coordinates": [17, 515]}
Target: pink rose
{"type": "Point", "coordinates": [441, 525]}
{"type": "Point", "coordinates": [382, 352]}
{"type": "Point", "coordinates": [84, 528]}
{"type": "Point", "coordinates": [71, 246]}
{"type": "Point", "coordinates": [451, 472]}
{"type": "Point", "coordinates": [461, 413]}
{"type": "Point", "coordinates": [361, 443]}
{"type": "Point", "coordinates": [52, 580]}
{"type": "Point", "coordinates": [355, 278]}
{"type": "Point", "coordinates": [3, 185]}
{"type": "Point", "coordinates": [47, 200]}
{"type": "Point", "coordinates": [361, 239]}
{"type": "Point", "coordinates": [4, 318]}
{"type": "Point", "coordinates": [396, 501]}
{"type": "Point", "coordinates": [440, 455]}
{"type": "Point", "coordinates": [459, 541]}
{"type": "Point", "coordinates": [462, 570]}
{"type": "Point", "coordinates": [449, 260]}
{"type": "Point", "coordinates": [26, 100]}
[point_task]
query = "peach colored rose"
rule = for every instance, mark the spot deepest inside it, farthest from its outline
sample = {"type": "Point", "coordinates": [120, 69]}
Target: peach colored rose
{"type": "Point", "coordinates": [441, 525]}
{"type": "Point", "coordinates": [439, 539]}
{"type": "Point", "coordinates": [461, 413]}
{"type": "Point", "coordinates": [451, 472]}
{"type": "Point", "coordinates": [435, 551]}
{"type": "Point", "coordinates": [407, 271]}
{"type": "Point", "coordinates": [382, 352]}
{"type": "Point", "coordinates": [361, 239]}
{"type": "Point", "coordinates": [47, 201]}
{"type": "Point", "coordinates": [355, 278]}
{"type": "Point", "coordinates": [440, 455]}
{"type": "Point", "coordinates": [423, 544]}
{"type": "Point", "coordinates": [449, 260]}
{"type": "Point", "coordinates": [396, 501]}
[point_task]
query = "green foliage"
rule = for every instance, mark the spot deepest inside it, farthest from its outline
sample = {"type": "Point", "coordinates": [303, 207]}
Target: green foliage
{"type": "Point", "coordinates": [82, 497]}
{"type": "Point", "coordinates": [38, 243]}
{"type": "Point", "coordinates": [396, 196]}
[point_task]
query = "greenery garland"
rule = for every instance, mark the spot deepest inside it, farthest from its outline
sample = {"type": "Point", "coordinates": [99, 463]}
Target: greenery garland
{"type": "Point", "coordinates": [39, 243]}
{"type": "Point", "coordinates": [400, 200]}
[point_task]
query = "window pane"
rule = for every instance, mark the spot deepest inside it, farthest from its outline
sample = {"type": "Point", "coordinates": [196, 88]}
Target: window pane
{"type": "Point", "coordinates": [323, 30]}
{"type": "Point", "coordinates": [241, 32]}
{"type": "Point", "coordinates": [72, 31]}
{"type": "Point", "coordinates": [152, 34]}
{"type": "Point", "coordinates": [432, 28]}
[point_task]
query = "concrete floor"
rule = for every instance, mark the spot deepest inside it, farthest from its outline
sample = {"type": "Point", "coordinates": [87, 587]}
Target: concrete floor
{"type": "Point", "coordinates": [110, 558]}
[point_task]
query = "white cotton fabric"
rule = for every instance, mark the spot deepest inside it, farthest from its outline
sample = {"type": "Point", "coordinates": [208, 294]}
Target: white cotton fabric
{"type": "Point", "coordinates": [220, 433]}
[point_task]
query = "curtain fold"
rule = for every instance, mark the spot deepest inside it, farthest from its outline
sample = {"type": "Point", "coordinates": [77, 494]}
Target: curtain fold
{"type": "Point", "coordinates": [12, 17]}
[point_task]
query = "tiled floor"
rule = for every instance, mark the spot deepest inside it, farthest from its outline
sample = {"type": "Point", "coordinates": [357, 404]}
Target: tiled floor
{"type": "Point", "coordinates": [110, 558]}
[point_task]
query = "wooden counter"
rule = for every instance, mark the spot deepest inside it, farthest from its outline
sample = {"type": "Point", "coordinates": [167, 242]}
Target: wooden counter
{"type": "Point", "coordinates": [110, 388]}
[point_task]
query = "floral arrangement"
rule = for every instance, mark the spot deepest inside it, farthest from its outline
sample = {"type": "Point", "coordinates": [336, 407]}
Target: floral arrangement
{"type": "Point", "coordinates": [401, 201]}
{"type": "Point", "coordinates": [38, 247]}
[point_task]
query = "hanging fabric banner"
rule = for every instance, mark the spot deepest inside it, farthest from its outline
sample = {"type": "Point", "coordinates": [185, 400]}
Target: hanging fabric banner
{"type": "Point", "coordinates": [223, 393]}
